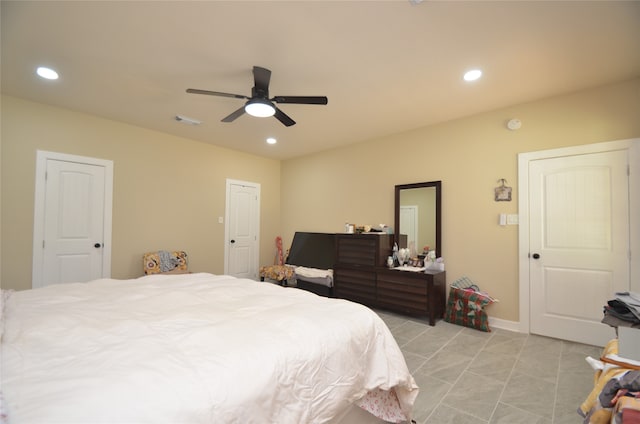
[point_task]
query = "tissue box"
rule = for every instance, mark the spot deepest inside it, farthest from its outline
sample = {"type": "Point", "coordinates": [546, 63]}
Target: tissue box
{"type": "Point", "coordinates": [629, 343]}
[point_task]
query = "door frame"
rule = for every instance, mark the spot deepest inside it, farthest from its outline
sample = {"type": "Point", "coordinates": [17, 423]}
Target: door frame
{"type": "Point", "coordinates": [256, 265]}
{"type": "Point", "coordinates": [42, 156]}
{"type": "Point", "coordinates": [633, 147]}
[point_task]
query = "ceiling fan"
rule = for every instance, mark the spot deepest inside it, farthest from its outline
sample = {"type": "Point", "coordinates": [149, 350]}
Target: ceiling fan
{"type": "Point", "coordinates": [259, 104]}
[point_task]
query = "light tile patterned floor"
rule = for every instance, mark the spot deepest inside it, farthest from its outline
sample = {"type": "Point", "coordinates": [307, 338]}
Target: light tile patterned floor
{"type": "Point", "coordinates": [472, 377]}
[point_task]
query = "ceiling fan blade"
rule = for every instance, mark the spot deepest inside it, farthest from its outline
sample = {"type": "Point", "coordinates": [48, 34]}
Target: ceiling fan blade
{"type": "Point", "coordinates": [261, 77]}
{"type": "Point", "coordinates": [303, 100]}
{"type": "Point", "coordinates": [235, 115]}
{"type": "Point", "coordinates": [215, 93]}
{"type": "Point", "coordinates": [284, 118]}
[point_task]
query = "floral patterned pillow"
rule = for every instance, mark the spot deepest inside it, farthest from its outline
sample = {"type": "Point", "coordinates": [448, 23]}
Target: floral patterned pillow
{"type": "Point", "coordinates": [162, 261]}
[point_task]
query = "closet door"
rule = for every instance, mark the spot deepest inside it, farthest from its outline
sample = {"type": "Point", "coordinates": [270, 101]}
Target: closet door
{"type": "Point", "coordinates": [72, 229]}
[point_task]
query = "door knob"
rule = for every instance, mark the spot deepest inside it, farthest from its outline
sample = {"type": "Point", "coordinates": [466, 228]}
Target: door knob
{"type": "Point", "coordinates": [97, 245]}
{"type": "Point", "coordinates": [536, 256]}
{"type": "Point", "coordinates": [233, 241]}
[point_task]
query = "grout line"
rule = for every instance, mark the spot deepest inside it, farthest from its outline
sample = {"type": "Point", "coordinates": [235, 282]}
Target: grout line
{"type": "Point", "coordinates": [555, 394]}
{"type": "Point", "coordinates": [513, 369]}
{"type": "Point", "coordinates": [459, 376]}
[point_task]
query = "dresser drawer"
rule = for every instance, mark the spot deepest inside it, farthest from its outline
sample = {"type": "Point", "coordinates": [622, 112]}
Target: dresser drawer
{"type": "Point", "coordinates": [402, 294]}
{"type": "Point", "coordinates": [416, 293]}
{"type": "Point", "coordinates": [356, 285]}
{"type": "Point", "coordinates": [357, 251]}
{"type": "Point", "coordinates": [363, 250]}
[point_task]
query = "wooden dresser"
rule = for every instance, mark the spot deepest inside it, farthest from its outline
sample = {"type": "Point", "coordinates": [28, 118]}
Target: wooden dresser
{"type": "Point", "coordinates": [360, 274]}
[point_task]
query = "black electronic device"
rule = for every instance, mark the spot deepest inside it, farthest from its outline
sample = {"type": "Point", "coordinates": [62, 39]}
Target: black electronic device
{"type": "Point", "coordinates": [312, 250]}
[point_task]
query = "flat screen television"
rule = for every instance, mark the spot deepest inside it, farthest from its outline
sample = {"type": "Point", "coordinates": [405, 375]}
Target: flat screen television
{"type": "Point", "coordinates": [313, 250]}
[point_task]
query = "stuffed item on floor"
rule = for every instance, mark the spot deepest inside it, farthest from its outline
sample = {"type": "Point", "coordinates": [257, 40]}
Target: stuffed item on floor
{"type": "Point", "coordinates": [466, 305]}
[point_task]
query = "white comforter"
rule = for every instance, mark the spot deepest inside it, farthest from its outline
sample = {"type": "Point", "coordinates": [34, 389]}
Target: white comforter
{"type": "Point", "coordinates": [193, 348]}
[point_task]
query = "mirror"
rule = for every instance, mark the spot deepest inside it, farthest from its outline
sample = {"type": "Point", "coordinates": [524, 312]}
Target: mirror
{"type": "Point", "coordinates": [417, 215]}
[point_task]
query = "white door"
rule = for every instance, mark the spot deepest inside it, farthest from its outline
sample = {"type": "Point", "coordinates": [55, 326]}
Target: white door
{"type": "Point", "coordinates": [409, 225]}
{"type": "Point", "coordinates": [242, 229]}
{"type": "Point", "coordinates": [70, 230]}
{"type": "Point", "coordinates": [579, 243]}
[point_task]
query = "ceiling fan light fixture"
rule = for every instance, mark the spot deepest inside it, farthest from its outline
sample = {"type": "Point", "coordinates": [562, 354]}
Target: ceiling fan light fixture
{"type": "Point", "coordinates": [260, 108]}
{"type": "Point", "coordinates": [259, 104]}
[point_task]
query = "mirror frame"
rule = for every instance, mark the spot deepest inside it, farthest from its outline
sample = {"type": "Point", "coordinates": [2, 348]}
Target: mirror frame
{"type": "Point", "coordinates": [438, 187]}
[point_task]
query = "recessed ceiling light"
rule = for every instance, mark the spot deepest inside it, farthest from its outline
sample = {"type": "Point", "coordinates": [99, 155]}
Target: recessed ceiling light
{"type": "Point", "coordinates": [271, 140]}
{"type": "Point", "coordinates": [472, 75]}
{"type": "Point", "coordinates": [47, 73]}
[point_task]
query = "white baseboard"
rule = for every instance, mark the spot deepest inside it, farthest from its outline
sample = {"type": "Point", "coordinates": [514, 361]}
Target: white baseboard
{"type": "Point", "coordinates": [504, 324]}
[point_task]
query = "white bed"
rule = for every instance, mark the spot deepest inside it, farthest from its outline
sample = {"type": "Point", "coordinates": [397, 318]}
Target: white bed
{"type": "Point", "coordinates": [196, 348]}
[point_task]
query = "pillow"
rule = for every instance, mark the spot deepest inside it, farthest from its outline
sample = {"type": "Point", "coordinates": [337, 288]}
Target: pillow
{"type": "Point", "coordinates": [465, 307]}
{"type": "Point", "coordinates": [165, 262]}
{"type": "Point", "coordinates": [175, 271]}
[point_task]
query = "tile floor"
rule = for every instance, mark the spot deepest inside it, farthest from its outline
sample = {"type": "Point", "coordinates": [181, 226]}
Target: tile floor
{"type": "Point", "coordinates": [472, 377]}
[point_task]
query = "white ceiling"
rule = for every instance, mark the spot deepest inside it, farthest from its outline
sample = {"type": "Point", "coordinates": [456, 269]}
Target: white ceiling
{"type": "Point", "coordinates": [386, 66]}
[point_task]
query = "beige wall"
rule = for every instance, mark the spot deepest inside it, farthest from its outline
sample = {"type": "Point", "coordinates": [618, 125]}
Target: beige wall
{"type": "Point", "coordinates": [319, 192]}
{"type": "Point", "coordinates": [356, 184]}
{"type": "Point", "coordinates": [168, 191]}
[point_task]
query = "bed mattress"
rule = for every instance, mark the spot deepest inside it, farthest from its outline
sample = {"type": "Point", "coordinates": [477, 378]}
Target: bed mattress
{"type": "Point", "coordinates": [196, 348]}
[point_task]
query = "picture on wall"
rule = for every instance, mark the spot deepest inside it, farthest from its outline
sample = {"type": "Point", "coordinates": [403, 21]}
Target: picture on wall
{"type": "Point", "coordinates": [502, 193]}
